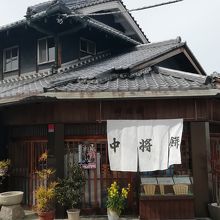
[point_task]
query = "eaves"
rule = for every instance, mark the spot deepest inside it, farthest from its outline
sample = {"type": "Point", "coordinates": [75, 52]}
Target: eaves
{"type": "Point", "coordinates": [113, 95]}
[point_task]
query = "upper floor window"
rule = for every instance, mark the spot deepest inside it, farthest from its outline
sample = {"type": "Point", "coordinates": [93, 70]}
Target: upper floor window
{"type": "Point", "coordinates": [10, 59]}
{"type": "Point", "coordinates": [87, 46]}
{"type": "Point", "coordinates": [46, 50]}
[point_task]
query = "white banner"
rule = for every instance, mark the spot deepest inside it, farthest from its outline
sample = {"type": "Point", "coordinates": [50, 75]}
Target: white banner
{"type": "Point", "coordinates": [121, 145]}
{"type": "Point", "coordinates": [154, 144]}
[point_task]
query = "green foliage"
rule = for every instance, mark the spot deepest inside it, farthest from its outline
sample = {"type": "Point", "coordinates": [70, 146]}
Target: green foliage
{"type": "Point", "coordinates": [69, 190]}
{"type": "Point", "coordinates": [45, 192]}
{"type": "Point", "coordinates": [45, 197]}
{"type": "Point", "coordinates": [117, 197]}
{"type": "Point", "coordinates": [4, 164]}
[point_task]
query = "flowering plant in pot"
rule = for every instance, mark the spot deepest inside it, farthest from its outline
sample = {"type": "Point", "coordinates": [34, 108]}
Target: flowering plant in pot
{"type": "Point", "coordinates": [45, 192]}
{"type": "Point", "coordinates": [4, 166]}
{"type": "Point", "coordinates": [69, 190]}
{"type": "Point", "coordinates": [116, 200]}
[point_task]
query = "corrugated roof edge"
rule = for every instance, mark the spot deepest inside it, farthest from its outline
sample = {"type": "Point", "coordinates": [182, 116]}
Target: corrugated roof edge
{"type": "Point", "coordinates": [134, 20]}
{"type": "Point", "coordinates": [181, 74]}
{"type": "Point", "coordinates": [195, 60]}
{"type": "Point", "coordinates": [162, 43]}
{"type": "Point", "coordinates": [40, 4]}
{"type": "Point", "coordinates": [24, 21]}
{"type": "Point", "coordinates": [12, 25]}
{"type": "Point", "coordinates": [90, 4]}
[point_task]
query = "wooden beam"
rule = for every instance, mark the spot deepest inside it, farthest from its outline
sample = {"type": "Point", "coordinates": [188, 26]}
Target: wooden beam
{"type": "Point", "coordinates": [200, 146]}
{"type": "Point", "coordinates": [153, 61]}
{"type": "Point", "coordinates": [115, 5]}
{"type": "Point", "coordinates": [192, 62]}
{"type": "Point", "coordinates": [57, 47]}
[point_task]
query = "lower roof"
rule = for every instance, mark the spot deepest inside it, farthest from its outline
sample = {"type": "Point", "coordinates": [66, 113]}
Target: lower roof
{"type": "Point", "coordinates": [117, 76]}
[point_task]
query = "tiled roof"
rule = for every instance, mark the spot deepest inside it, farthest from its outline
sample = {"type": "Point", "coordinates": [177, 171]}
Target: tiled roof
{"type": "Point", "coordinates": [13, 24]}
{"type": "Point", "coordinates": [72, 4]}
{"type": "Point", "coordinates": [40, 10]}
{"type": "Point", "coordinates": [90, 22]}
{"type": "Point", "coordinates": [108, 29]}
{"type": "Point", "coordinates": [112, 74]}
{"type": "Point", "coordinates": [158, 79]}
{"type": "Point", "coordinates": [78, 4]}
{"type": "Point", "coordinates": [139, 54]}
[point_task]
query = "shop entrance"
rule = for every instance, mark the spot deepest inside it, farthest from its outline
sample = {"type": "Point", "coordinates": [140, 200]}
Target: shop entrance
{"type": "Point", "coordinates": [93, 154]}
{"type": "Point", "coordinates": [24, 160]}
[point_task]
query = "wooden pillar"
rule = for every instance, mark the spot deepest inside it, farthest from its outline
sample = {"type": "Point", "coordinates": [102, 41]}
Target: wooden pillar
{"type": "Point", "coordinates": [56, 157]}
{"type": "Point", "coordinates": [59, 149]}
{"type": "Point", "coordinates": [200, 143]}
{"type": "Point", "coordinates": [57, 52]}
{"type": "Point", "coordinates": [56, 149]}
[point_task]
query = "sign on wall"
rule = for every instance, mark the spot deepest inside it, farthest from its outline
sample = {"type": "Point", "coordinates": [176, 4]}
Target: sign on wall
{"type": "Point", "coordinates": [87, 155]}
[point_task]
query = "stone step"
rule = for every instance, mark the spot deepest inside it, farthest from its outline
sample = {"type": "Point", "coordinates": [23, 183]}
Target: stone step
{"type": "Point", "coordinates": [30, 215]}
{"type": "Point", "coordinates": [106, 218]}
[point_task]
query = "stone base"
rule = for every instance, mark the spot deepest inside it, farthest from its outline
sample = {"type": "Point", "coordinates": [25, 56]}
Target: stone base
{"type": "Point", "coordinates": [13, 212]}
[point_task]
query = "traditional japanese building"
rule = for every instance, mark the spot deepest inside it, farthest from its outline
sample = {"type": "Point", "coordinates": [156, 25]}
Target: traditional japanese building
{"type": "Point", "coordinates": [66, 69]}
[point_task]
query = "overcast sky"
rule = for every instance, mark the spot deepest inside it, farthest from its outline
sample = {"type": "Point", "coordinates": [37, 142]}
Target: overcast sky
{"type": "Point", "coordinates": [196, 21]}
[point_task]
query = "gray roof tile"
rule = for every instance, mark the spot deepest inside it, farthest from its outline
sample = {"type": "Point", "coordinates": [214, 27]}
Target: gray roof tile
{"type": "Point", "coordinates": [154, 80]}
{"type": "Point", "coordinates": [105, 75]}
{"type": "Point", "coordinates": [40, 10]}
{"type": "Point", "coordinates": [72, 4]}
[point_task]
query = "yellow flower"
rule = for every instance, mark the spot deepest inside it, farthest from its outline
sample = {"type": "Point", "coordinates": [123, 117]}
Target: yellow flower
{"type": "Point", "coordinates": [117, 197]}
{"type": "Point", "coordinates": [43, 157]}
{"type": "Point", "coordinates": [45, 173]}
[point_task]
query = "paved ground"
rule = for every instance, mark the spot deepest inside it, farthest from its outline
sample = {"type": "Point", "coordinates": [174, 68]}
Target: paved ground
{"type": "Point", "coordinates": [32, 216]}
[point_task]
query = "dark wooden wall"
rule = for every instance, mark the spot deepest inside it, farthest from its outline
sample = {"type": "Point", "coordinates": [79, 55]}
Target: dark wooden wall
{"type": "Point", "coordinates": [179, 62]}
{"type": "Point", "coordinates": [26, 39]}
{"type": "Point", "coordinates": [94, 111]}
{"type": "Point", "coordinates": [65, 113]}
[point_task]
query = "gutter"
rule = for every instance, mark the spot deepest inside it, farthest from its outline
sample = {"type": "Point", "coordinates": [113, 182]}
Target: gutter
{"type": "Point", "coordinates": [112, 95]}
{"type": "Point", "coordinates": [135, 94]}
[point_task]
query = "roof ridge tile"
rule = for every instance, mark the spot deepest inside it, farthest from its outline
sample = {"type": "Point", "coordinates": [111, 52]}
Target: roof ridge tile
{"type": "Point", "coordinates": [161, 43]}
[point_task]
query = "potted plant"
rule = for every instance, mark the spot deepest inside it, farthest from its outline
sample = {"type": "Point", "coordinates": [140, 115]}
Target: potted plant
{"type": "Point", "coordinates": [214, 208]}
{"type": "Point", "coordinates": [4, 166]}
{"type": "Point", "coordinates": [45, 192]}
{"type": "Point", "coordinates": [116, 200]}
{"type": "Point", "coordinates": [69, 190]}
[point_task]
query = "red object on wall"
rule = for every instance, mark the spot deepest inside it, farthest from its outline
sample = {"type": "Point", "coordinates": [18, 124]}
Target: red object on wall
{"type": "Point", "coordinates": [51, 128]}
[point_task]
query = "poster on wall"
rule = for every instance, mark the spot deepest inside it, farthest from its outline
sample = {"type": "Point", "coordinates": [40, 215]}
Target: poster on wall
{"type": "Point", "coordinates": [87, 155]}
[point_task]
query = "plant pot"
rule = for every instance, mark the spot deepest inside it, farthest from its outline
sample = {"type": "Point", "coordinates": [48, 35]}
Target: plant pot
{"type": "Point", "coordinates": [73, 214]}
{"type": "Point", "coordinates": [50, 215]}
{"type": "Point", "coordinates": [112, 215]}
{"type": "Point", "coordinates": [214, 211]}
{"type": "Point", "coordinates": [11, 198]}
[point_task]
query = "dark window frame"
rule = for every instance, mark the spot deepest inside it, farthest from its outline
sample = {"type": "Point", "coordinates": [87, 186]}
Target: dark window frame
{"type": "Point", "coordinates": [11, 59]}
{"type": "Point", "coordinates": [88, 44]}
{"type": "Point", "coordinates": [47, 57]}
